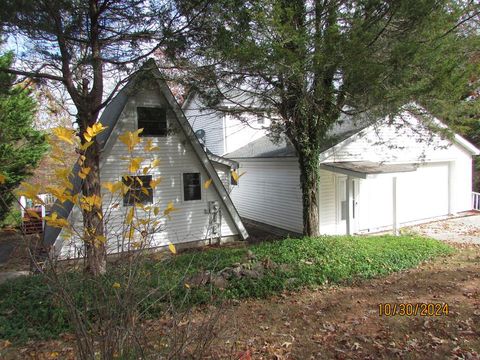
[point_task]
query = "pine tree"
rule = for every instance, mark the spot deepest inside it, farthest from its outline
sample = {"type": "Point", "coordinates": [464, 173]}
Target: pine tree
{"type": "Point", "coordinates": [312, 61]}
{"type": "Point", "coordinates": [21, 145]}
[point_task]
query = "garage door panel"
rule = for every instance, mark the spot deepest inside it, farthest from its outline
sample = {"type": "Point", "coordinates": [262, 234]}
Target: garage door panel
{"type": "Point", "coordinates": [423, 194]}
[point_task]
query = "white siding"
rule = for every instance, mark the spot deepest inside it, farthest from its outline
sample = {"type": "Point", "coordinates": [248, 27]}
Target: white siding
{"type": "Point", "coordinates": [406, 140]}
{"type": "Point", "coordinates": [241, 131]}
{"type": "Point", "coordinates": [421, 195]}
{"type": "Point", "coordinates": [328, 208]}
{"type": "Point", "coordinates": [461, 181]}
{"type": "Point", "coordinates": [210, 121]}
{"type": "Point", "coordinates": [191, 221]}
{"type": "Point", "coordinates": [224, 132]}
{"type": "Point", "coordinates": [223, 172]}
{"type": "Point", "coordinates": [270, 192]}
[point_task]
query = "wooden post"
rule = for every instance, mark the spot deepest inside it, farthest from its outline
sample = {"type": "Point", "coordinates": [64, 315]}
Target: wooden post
{"type": "Point", "coordinates": [23, 205]}
{"type": "Point", "coordinates": [349, 205]}
{"type": "Point", "coordinates": [450, 187]}
{"type": "Point", "coordinates": [395, 207]}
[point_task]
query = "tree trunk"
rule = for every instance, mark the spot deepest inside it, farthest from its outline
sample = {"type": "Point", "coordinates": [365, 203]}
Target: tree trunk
{"type": "Point", "coordinates": [309, 178]}
{"type": "Point", "coordinates": [93, 218]}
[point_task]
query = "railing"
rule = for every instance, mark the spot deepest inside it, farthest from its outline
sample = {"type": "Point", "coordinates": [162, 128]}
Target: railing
{"type": "Point", "coordinates": [35, 224]}
{"type": "Point", "coordinates": [476, 201]}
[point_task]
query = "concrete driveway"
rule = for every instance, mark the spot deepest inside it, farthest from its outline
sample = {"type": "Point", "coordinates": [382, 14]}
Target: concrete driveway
{"type": "Point", "coordinates": [464, 229]}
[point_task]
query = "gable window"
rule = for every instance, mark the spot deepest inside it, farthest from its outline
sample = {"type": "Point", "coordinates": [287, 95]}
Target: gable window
{"type": "Point", "coordinates": [140, 190]}
{"type": "Point", "coordinates": [152, 120]}
{"type": "Point", "coordinates": [192, 187]}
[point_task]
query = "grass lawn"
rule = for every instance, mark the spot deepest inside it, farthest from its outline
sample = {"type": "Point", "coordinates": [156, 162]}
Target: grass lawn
{"type": "Point", "coordinates": [28, 309]}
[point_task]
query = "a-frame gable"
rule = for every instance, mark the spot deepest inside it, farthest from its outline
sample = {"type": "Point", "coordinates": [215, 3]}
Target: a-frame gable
{"type": "Point", "coordinates": [110, 118]}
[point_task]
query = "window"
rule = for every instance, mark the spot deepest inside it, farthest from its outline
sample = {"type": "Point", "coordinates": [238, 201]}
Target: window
{"type": "Point", "coordinates": [140, 190]}
{"type": "Point", "coordinates": [343, 205]}
{"type": "Point", "coordinates": [152, 120]}
{"type": "Point", "coordinates": [192, 189]}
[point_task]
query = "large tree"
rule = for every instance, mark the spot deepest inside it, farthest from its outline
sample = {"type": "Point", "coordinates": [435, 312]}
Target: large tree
{"type": "Point", "coordinates": [81, 45]}
{"type": "Point", "coordinates": [454, 58]}
{"type": "Point", "coordinates": [311, 61]}
{"type": "Point", "coordinates": [21, 145]}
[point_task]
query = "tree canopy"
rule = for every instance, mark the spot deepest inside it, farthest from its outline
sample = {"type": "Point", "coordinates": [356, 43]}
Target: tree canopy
{"type": "Point", "coordinates": [313, 61]}
{"type": "Point", "coordinates": [21, 145]}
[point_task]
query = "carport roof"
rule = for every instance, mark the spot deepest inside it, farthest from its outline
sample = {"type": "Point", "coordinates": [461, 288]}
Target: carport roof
{"type": "Point", "coordinates": [362, 169]}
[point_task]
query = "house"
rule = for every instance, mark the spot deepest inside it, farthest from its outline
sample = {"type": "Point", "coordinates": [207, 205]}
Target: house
{"type": "Point", "coordinates": [375, 175]}
{"type": "Point", "coordinates": [204, 213]}
{"type": "Point", "coordinates": [227, 127]}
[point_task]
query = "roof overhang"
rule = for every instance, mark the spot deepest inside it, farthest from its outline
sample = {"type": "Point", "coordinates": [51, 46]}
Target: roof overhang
{"type": "Point", "coordinates": [365, 169]}
{"type": "Point", "coordinates": [222, 160]}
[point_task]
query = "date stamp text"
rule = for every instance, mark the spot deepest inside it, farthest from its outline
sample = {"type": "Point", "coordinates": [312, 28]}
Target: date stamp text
{"type": "Point", "coordinates": [412, 309]}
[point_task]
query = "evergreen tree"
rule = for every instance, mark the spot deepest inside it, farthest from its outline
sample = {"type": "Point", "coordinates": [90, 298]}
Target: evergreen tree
{"type": "Point", "coordinates": [21, 145]}
{"type": "Point", "coordinates": [311, 61]}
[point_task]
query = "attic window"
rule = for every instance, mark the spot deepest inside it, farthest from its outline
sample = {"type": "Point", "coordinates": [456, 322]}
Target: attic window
{"type": "Point", "coordinates": [192, 189]}
{"type": "Point", "coordinates": [140, 190]}
{"type": "Point", "coordinates": [152, 120]}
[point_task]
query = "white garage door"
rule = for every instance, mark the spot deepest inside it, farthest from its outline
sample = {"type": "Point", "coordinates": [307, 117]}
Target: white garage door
{"type": "Point", "coordinates": [423, 194]}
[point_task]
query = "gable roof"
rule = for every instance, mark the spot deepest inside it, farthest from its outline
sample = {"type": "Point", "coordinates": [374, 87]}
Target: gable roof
{"type": "Point", "coordinates": [343, 130]}
{"type": "Point", "coordinates": [109, 119]}
{"type": "Point", "coordinates": [265, 148]}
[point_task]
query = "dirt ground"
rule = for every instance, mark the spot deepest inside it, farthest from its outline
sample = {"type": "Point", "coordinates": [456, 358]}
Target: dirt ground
{"type": "Point", "coordinates": [340, 322]}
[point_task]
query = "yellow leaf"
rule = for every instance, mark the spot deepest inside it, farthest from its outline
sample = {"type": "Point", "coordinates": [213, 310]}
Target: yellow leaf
{"type": "Point", "coordinates": [131, 139]}
{"type": "Point", "coordinates": [207, 183]}
{"type": "Point", "coordinates": [54, 355]}
{"type": "Point", "coordinates": [187, 286]}
{"type": "Point", "coordinates": [2, 178]}
{"type": "Point", "coordinates": [155, 163]}
{"type": "Point", "coordinates": [172, 248]}
{"type": "Point", "coordinates": [63, 173]}
{"type": "Point", "coordinates": [32, 214]}
{"type": "Point", "coordinates": [54, 221]}
{"type": "Point", "coordinates": [29, 191]}
{"type": "Point", "coordinates": [84, 172]}
{"type": "Point", "coordinates": [169, 209]}
{"type": "Point", "coordinates": [236, 176]}
{"type": "Point", "coordinates": [135, 164]}
{"type": "Point", "coordinates": [156, 210]}
{"type": "Point", "coordinates": [100, 239]}
{"type": "Point", "coordinates": [130, 214]}
{"type": "Point", "coordinates": [64, 134]}
{"type": "Point", "coordinates": [149, 145]}
{"type": "Point", "coordinates": [86, 145]}
{"type": "Point", "coordinates": [116, 285]}
{"type": "Point", "coordinates": [145, 170]}
{"type": "Point", "coordinates": [137, 244]}
{"type": "Point", "coordinates": [88, 203]}
{"type": "Point", "coordinates": [155, 182]}
{"type": "Point", "coordinates": [93, 131]}
{"type": "Point", "coordinates": [59, 193]}
{"type": "Point", "coordinates": [112, 187]}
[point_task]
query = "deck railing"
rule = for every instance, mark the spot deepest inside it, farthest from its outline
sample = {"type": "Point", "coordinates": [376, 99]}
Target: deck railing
{"type": "Point", "coordinates": [475, 201]}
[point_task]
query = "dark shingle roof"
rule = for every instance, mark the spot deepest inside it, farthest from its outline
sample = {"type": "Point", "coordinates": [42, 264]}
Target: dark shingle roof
{"type": "Point", "coordinates": [266, 148]}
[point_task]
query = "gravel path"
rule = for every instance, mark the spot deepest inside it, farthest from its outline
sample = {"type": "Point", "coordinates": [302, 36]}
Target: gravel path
{"type": "Point", "coordinates": [461, 230]}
